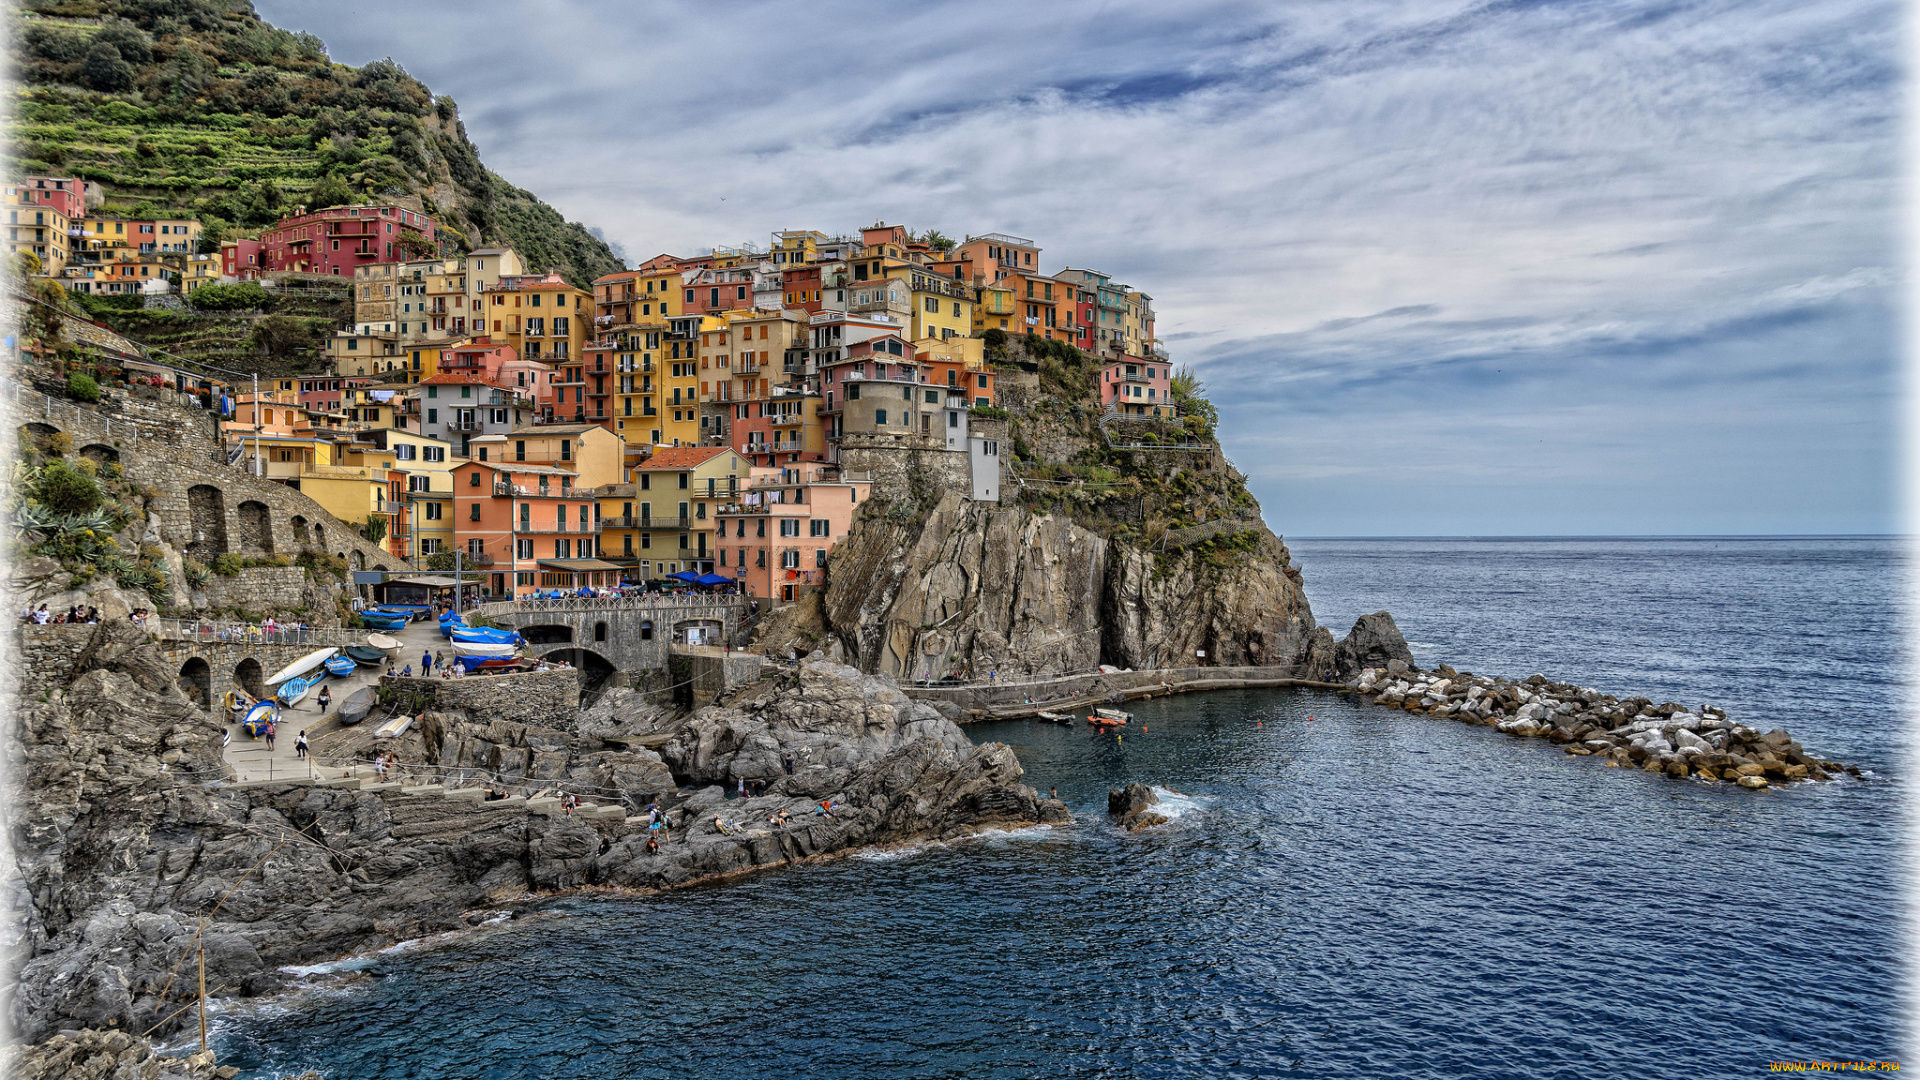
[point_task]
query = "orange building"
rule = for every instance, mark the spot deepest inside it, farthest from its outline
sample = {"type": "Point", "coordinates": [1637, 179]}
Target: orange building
{"type": "Point", "coordinates": [776, 535]}
{"type": "Point", "coordinates": [528, 527]}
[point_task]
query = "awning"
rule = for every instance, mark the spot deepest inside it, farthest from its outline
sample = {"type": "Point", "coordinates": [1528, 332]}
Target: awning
{"type": "Point", "coordinates": [712, 579]}
{"type": "Point", "coordinates": [437, 582]}
{"type": "Point", "coordinates": [684, 575]}
{"type": "Point", "coordinates": [577, 566]}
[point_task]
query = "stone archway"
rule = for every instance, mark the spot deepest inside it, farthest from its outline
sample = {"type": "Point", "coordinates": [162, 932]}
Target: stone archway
{"type": "Point", "coordinates": [248, 676]}
{"type": "Point", "coordinates": [256, 528]}
{"type": "Point", "coordinates": [299, 524]}
{"type": "Point", "coordinates": [207, 515]}
{"type": "Point", "coordinates": [196, 681]}
{"type": "Point", "coordinates": [100, 454]}
{"type": "Point", "coordinates": [547, 634]}
{"type": "Point", "coordinates": [319, 537]}
{"type": "Point", "coordinates": [594, 670]}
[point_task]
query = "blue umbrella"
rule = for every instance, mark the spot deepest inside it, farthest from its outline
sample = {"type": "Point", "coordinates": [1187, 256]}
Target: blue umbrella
{"type": "Point", "coordinates": [712, 579]}
{"type": "Point", "coordinates": [685, 575]}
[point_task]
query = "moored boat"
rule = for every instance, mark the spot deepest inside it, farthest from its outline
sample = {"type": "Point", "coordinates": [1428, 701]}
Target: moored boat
{"type": "Point", "coordinates": [340, 665]}
{"type": "Point", "coordinates": [293, 690]}
{"type": "Point", "coordinates": [1054, 717]}
{"type": "Point", "coordinates": [303, 665]}
{"type": "Point", "coordinates": [356, 707]}
{"type": "Point", "coordinates": [364, 654]}
{"type": "Point", "coordinates": [484, 648]}
{"type": "Point", "coordinates": [486, 634]}
{"type": "Point", "coordinates": [1106, 718]}
{"type": "Point", "coordinates": [258, 717]}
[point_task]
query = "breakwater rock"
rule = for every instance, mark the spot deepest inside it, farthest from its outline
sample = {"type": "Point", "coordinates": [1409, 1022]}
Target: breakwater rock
{"type": "Point", "coordinates": [127, 835]}
{"type": "Point", "coordinates": [1631, 732]}
{"type": "Point", "coordinates": [116, 1055]}
{"type": "Point", "coordinates": [1133, 805]}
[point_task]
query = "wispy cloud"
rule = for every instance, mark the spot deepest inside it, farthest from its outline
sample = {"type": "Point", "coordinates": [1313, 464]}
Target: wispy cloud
{"type": "Point", "coordinates": [1352, 216]}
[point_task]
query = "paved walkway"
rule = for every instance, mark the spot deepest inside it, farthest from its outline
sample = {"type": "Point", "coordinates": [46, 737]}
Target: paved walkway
{"type": "Point", "coordinates": [250, 758]}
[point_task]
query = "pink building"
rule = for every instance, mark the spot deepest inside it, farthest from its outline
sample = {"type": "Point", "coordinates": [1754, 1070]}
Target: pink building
{"type": "Point", "coordinates": [1137, 387]}
{"type": "Point", "coordinates": [64, 194]}
{"type": "Point", "coordinates": [323, 394]}
{"type": "Point", "coordinates": [242, 259]}
{"type": "Point", "coordinates": [777, 537]}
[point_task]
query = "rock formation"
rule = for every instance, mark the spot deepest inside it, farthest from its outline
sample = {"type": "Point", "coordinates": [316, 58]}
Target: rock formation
{"type": "Point", "coordinates": [1668, 738]}
{"type": "Point", "coordinates": [975, 587]}
{"type": "Point", "coordinates": [126, 836]}
{"type": "Point", "coordinates": [1132, 805]}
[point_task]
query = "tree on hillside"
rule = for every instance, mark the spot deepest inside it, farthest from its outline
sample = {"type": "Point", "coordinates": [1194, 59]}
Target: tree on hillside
{"type": "Point", "coordinates": [332, 190]}
{"type": "Point", "coordinates": [374, 529]}
{"type": "Point", "coordinates": [105, 70]}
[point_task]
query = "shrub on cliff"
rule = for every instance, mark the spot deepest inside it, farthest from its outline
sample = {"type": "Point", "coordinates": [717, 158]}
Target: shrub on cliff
{"type": "Point", "coordinates": [64, 489]}
{"type": "Point", "coordinates": [227, 564]}
{"type": "Point", "coordinates": [81, 387]}
{"type": "Point", "coordinates": [243, 296]}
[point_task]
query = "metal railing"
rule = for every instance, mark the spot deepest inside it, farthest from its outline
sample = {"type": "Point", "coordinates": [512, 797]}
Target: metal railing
{"type": "Point", "coordinates": [230, 632]}
{"type": "Point", "coordinates": [612, 603]}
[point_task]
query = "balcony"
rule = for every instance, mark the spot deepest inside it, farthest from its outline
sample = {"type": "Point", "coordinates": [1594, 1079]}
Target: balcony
{"type": "Point", "coordinates": [787, 419]}
{"type": "Point", "coordinates": [1131, 377]}
{"type": "Point", "coordinates": [481, 559]}
{"type": "Point", "coordinates": [661, 523]}
{"type": "Point", "coordinates": [522, 528]}
{"type": "Point", "coordinates": [522, 491]}
{"type": "Point", "coordinates": [464, 425]}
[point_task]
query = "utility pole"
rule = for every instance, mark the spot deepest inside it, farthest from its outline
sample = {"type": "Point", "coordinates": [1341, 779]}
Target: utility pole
{"type": "Point", "coordinates": [458, 592]}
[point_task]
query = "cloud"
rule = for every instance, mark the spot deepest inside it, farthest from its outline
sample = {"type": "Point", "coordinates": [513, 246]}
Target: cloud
{"type": "Point", "coordinates": [1335, 205]}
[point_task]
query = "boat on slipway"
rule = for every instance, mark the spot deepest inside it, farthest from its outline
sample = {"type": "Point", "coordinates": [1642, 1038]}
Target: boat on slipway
{"type": "Point", "coordinates": [356, 707]}
{"type": "Point", "coordinates": [363, 654]}
{"type": "Point", "coordinates": [257, 718]}
{"type": "Point", "coordinates": [301, 666]}
{"type": "Point", "coordinates": [340, 665]}
{"type": "Point", "coordinates": [293, 691]}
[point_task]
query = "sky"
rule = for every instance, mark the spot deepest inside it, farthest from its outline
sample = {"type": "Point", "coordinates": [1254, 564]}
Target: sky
{"type": "Point", "coordinates": [1627, 267]}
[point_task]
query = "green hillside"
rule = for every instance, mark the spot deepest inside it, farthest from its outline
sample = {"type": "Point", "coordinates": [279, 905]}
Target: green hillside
{"type": "Point", "coordinates": [197, 107]}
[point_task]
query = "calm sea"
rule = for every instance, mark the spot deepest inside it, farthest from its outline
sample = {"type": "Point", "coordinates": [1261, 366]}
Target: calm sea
{"type": "Point", "coordinates": [1344, 892]}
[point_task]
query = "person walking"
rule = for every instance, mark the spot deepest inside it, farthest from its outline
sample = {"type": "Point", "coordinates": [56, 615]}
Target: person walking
{"type": "Point", "coordinates": [270, 728]}
{"type": "Point", "coordinates": [300, 744]}
{"type": "Point", "coordinates": [440, 659]}
{"type": "Point", "coordinates": [326, 699]}
{"type": "Point", "coordinates": [426, 663]}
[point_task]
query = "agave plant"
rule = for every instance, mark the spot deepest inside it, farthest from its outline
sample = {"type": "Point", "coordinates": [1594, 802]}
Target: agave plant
{"type": "Point", "coordinates": [35, 522]}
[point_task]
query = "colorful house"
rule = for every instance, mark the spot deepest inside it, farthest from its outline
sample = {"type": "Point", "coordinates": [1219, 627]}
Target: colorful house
{"type": "Point", "coordinates": [775, 537]}
{"type": "Point", "coordinates": [677, 492]}
{"type": "Point", "coordinates": [1137, 388]}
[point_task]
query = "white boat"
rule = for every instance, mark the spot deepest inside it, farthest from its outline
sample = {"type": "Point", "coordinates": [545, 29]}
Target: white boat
{"type": "Point", "coordinates": [484, 648]}
{"type": "Point", "coordinates": [303, 665]}
{"type": "Point", "coordinates": [388, 645]}
{"type": "Point", "coordinates": [393, 728]}
{"type": "Point", "coordinates": [1054, 717]}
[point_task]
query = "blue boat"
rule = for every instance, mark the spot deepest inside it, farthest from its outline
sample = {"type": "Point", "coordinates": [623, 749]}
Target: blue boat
{"type": "Point", "coordinates": [293, 690]}
{"type": "Point", "coordinates": [383, 621]}
{"type": "Point", "coordinates": [486, 635]}
{"type": "Point", "coordinates": [408, 611]}
{"type": "Point", "coordinates": [341, 665]}
{"type": "Point", "coordinates": [449, 625]}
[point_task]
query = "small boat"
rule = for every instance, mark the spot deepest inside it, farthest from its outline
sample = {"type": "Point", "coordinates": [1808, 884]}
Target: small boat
{"type": "Point", "coordinates": [1106, 718]}
{"type": "Point", "coordinates": [340, 665]}
{"type": "Point", "coordinates": [485, 633]}
{"type": "Point", "coordinates": [293, 690]}
{"type": "Point", "coordinates": [449, 625]}
{"type": "Point", "coordinates": [356, 707]}
{"type": "Point", "coordinates": [303, 665]}
{"type": "Point", "coordinates": [484, 648]}
{"type": "Point", "coordinates": [393, 728]}
{"type": "Point", "coordinates": [238, 702]}
{"type": "Point", "coordinates": [1054, 717]}
{"type": "Point", "coordinates": [258, 717]}
{"type": "Point", "coordinates": [385, 644]}
{"type": "Point", "coordinates": [410, 611]}
{"type": "Point", "coordinates": [361, 654]}
{"type": "Point", "coordinates": [380, 621]}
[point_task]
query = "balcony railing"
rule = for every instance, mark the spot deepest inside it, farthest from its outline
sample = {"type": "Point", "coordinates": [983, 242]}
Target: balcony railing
{"type": "Point", "coordinates": [542, 528]}
{"type": "Point", "coordinates": [464, 425]}
{"type": "Point", "coordinates": [525, 492]}
{"type": "Point", "coordinates": [661, 523]}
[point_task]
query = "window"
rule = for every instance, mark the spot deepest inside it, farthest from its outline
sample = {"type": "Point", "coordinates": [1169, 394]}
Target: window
{"type": "Point", "coordinates": [853, 392]}
{"type": "Point", "coordinates": [789, 526]}
{"type": "Point", "coordinates": [475, 514]}
{"type": "Point", "coordinates": [790, 560]}
{"type": "Point", "coordinates": [433, 416]}
{"type": "Point", "coordinates": [819, 527]}
{"type": "Point", "coordinates": [879, 416]}
{"type": "Point", "coordinates": [933, 397]}
{"type": "Point", "coordinates": [819, 556]}
{"type": "Point", "coordinates": [563, 549]}
{"type": "Point", "coordinates": [523, 549]}
{"type": "Point", "coordinates": [683, 484]}
{"type": "Point", "coordinates": [433, 511]}
{"type": "Point", "coordinates": [473, 478]}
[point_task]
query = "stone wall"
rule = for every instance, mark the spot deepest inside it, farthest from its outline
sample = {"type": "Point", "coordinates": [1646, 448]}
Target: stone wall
{"type": "Point", "coordinates": [541, 698]}
{"type": "Point", "coordinates": [908, 468]}
{"type": "Point", "coordinates": [285, 592]}
{"type": "Point", "coordinates": [202, 507]}
{"type": "Point", "coordinates": [701, 673]}
{"type": "Point", "coordinates": [631, 635]}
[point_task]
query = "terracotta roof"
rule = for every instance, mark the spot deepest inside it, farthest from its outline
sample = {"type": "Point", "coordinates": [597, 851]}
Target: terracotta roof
{"type": "Point", "coordinates": [682, 457]}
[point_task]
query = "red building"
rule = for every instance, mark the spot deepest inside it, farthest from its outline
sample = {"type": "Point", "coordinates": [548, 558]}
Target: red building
{"type": "Point", "coordinates": [64, 194]}
{"type": "Point", "coordinates": [242, 259]}
{"type": "Point", "coordinates": [339, 238]}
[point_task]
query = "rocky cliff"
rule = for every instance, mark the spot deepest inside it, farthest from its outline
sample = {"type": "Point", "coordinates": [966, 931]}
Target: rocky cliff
{"type": "Point", "coordinates": [126, 836]}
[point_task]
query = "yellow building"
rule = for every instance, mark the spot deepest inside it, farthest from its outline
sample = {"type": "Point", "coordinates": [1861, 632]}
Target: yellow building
{"type": "Point", "coordinates": [540, 315]}
{"type": "Point", "coordinates": [199, 270]}
{"type": "Point", "coordinates": [676, 492]}
{"type": "Point", "coordinates": [942, 306]}
{"type": "Point", "coordinates": [422, 513]}
{"type": "Point", "coordinates": [796, 247]}
{"type": "Point", "coordinates": [619, 524]}
{"type": "Point", "coordinates": [594, 455]}
{"type": "Point", "coordinates": [679, 378]}
{"type": "Point", "coordinates": [38, 228]}
{"type": "Point", "coordinates": [994, 309]}
{"type": "Point", "coordinates": [352, 493]}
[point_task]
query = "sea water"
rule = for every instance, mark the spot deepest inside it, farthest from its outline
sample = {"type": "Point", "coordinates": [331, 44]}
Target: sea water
{"type": "Point", "coordinates": [1344, 891]}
